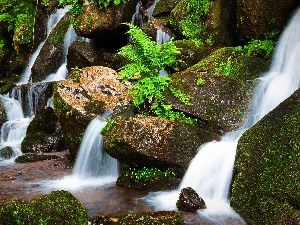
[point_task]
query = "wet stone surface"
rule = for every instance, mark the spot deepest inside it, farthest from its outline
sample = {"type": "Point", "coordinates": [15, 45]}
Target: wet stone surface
{"type": "Point", "coordinates": [21, 180]}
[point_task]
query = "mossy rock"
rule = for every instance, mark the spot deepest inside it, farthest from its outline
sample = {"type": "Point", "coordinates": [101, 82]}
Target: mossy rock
{"type": "Point", "coordinates": [6, 87]}
{"type": "Point", "coordinates": [190, 54]}
{"type": "Point", "coordinates": [153, 218]}
{"type": "Point", "coordinates": [163, 8]}
{"type": "Point", "coordinates": [266, 185]}
{"type": "Point", "coordinates": [41, 142]}
{"type": "Point", "coordinates": [6, 152]}
{"type": "Point", "coordinates": [3, 116]}
{"type": "Point", "coordinates": [58, 207]}
{"type": "Point", "coordinates": [34, 158]}
{"type": "Point", "coordinates": [150, 179]}
{"type": "Point", "coordinates": [243, 66]}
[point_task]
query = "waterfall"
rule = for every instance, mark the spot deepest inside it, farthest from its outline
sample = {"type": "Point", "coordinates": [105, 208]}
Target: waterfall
{"type": "Point", "coordinates": [93, 167]}
{"type": "Point", "coordinates": [52, 21]}
{"type": "Point", "coordinates": [21, 107]}
{"type": "Point", "coordinates": [210, 172]}
{"type": "Point", "coordinates": [92, 161]}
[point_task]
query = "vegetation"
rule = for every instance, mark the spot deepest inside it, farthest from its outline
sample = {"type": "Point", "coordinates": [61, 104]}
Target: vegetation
{"type": "Point", "coordinates": [146, 59]}
{"type": "Point", "coordinates": [58, 207]}
{"type": "Point", "coordinates": [145, 174]}
{"type": "Point", "coordinates": [266, 47]}
{"type": "Point", "coordinates": [191, 26]}
{"type": "Point", "coordinates": [19, 16]}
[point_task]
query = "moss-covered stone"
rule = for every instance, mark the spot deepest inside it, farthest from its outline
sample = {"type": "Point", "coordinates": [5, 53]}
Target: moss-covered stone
{"type": "Point", "coordinates": [146, 141]}
{"type": "Point", "coordinates": [153, 218]}
{"type": "Point", "coordinates": [6, 87]}
{"type": "Point", "coordinates": [34, 158]}
{"type": "Point", "coordinates": [243, 66]}
{"type": "Point", "coordinates": [164, 7]}
{"type": "Point", "coordinates": [58, 207]}
{"type": "Point", "coordinates": [41, 142]}
{"type": "Point", "coordinates": [266, 187]}
{"type": "Point", "coordinates": [220, 103]}
{"type": "Point", "coordinates": [149, 179]}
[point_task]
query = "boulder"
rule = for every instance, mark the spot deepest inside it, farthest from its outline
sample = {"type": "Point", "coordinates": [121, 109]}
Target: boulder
{"type": "Point", "coordinates": [266, 182]}
{"type": "Point", "coordinates": [3, 116]}
{"type": "Point", "coordinates": [189, 200]}
{"type": "Point", "coordinates": [219, 102]}
{"type": "Point", "coordinates": [147, 141]}
{"type": "Point", "coordinates": [41, 142]}
{"type": "Point", "coordinates": [86, 94]}
{"type": "Point", "coordinates": [105, 23]}
{"type": "Point", "coordinates": [80, 55]}
{"type": "Point", "coordinates": [58, 207]}
{"type": "Point", "coordinates": [6, 152]}
{"type": "Point", "coordinates": [28, 157]}
{"type": "Point", "coordinates": [164, 7]}
{"type": "Point", "coordinates": [263, 19]}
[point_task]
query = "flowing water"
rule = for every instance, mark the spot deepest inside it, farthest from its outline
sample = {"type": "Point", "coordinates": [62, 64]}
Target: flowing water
{"type": "Point", "coordinates": [93, 166]}
{"type": "Point", "coordinates": [210, 172]}
{"type": "Point", "coordinates": [21, 103]}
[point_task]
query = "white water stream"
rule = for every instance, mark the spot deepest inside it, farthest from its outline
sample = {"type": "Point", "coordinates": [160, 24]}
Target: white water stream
{"type": "Point", "coordinates": [210, 172]}
{"type": "Point", "coordinates": [93, 167]}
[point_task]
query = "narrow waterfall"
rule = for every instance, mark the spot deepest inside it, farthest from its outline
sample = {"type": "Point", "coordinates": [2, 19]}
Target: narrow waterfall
{"type": "Point", "coordinates": [210, 172]}
{"type": "Point", "coordinates": [93, 167]}
{"type": "Point", "coordinates": [92, 161]}
{"type": "Point", "coordinates": [52, 21]}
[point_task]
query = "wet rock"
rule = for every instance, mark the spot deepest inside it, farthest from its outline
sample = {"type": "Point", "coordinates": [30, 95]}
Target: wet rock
{"type": "Point", "coordinates": [58, 207]}
{"type": "Point", "coordinates": [267, 168]}
{"type": "Point", "coordinates": [80, 55]}
{"type": "Point", "coordinates": [6, 152]}
{"type": "Point", "coordinates": [147, 141]}
{"type": "Point", "coordinates": [34, 158]}
{"type": "Point", "coordinates": [88, 93]}
{"type": "Point", "coordinates": [155, 218]}
{"type": "Point", "coordinates": [189, 200]}
{"type": "Point", "coordinates": [3, 116]}
{"type": "Point", "coordinates": [104, 24]}
{"type": "Point", "coordinates": [45, 121]}
{"type": "Point", "coordinates": [217, 26]}
{"type": "Point", "coordinates": [219, 102]}
{"type": "Point", "coordinates": [41, 142]}
{"type": "Point", "coordinates": [164, 7]}
{"type": "Point", "coordinates": [263, 19]}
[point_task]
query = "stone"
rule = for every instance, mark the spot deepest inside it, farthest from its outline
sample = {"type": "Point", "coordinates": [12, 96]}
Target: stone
{"type": "Point", "coordinates": [189, 200]}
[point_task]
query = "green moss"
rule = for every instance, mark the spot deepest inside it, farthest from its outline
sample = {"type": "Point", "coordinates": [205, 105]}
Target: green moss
{"type": "Point", "coordinates": [34, 158]}
{"type": "Point", "coordinates": [266, 188]}
{"type": "Point", "coordinates": [59, 35]}
{"type": "Point", "coordinates": [58, 207]}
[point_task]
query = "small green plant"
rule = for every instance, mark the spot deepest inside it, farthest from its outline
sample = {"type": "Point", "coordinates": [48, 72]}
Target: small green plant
{"type": "Point", "coordinates": [108, 127]}
{"type": "Point", "coordinates": [266, 47]}
{"type": "Point", "coordinates": [200, 81]}
{"type": "Point", "coordinates": [224, 68]}
{"type": "Point", "coordinates": [2, 43]}
{"type": "Point", "coordinates": [191, 26]}
{"type": "Point", "coordinates": [146, 59]}
{"type": "Point", "coordinates": [146, 174]}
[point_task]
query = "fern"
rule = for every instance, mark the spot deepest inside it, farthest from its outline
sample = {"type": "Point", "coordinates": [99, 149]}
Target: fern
{"type": "Point", "coordinates": [146, 58]}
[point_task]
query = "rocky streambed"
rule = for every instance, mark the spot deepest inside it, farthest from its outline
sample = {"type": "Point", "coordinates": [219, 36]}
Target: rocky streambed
{"type": "Point", "coordinates": [23, 180]}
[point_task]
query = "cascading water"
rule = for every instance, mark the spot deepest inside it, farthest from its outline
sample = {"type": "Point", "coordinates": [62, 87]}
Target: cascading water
{"type": "Point", "coordinates": [52, 21]}
{"type": "Point", "coordinates": [210, 172]}
{"type": "Point", "coordinates": [93, 166]}
{"type": "Point", "coordinates": [21, 107]}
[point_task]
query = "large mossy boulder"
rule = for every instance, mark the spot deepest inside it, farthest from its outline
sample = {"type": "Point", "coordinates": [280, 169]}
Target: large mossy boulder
{"type": "Point", "coordinates": [219, 102]}
{"type": "Point", "coordinates": [51, 55]}
{"type": "Point", "coordinates": [86, 94]}
{"type": "Point", "coordinates": [266, 185]}
{"type": "Point", "coordinates": [58, 207]}
{"type": "Point", "coordinates": [263, 19]}
{"type": "Point", "coordinates": [147, 141]}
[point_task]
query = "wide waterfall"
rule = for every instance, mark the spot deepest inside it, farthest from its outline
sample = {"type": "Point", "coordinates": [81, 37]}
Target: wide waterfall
{"type": "Point", "coordinates": [210, 172]}
{"type": "Point", "coordinates": [21, 103]}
